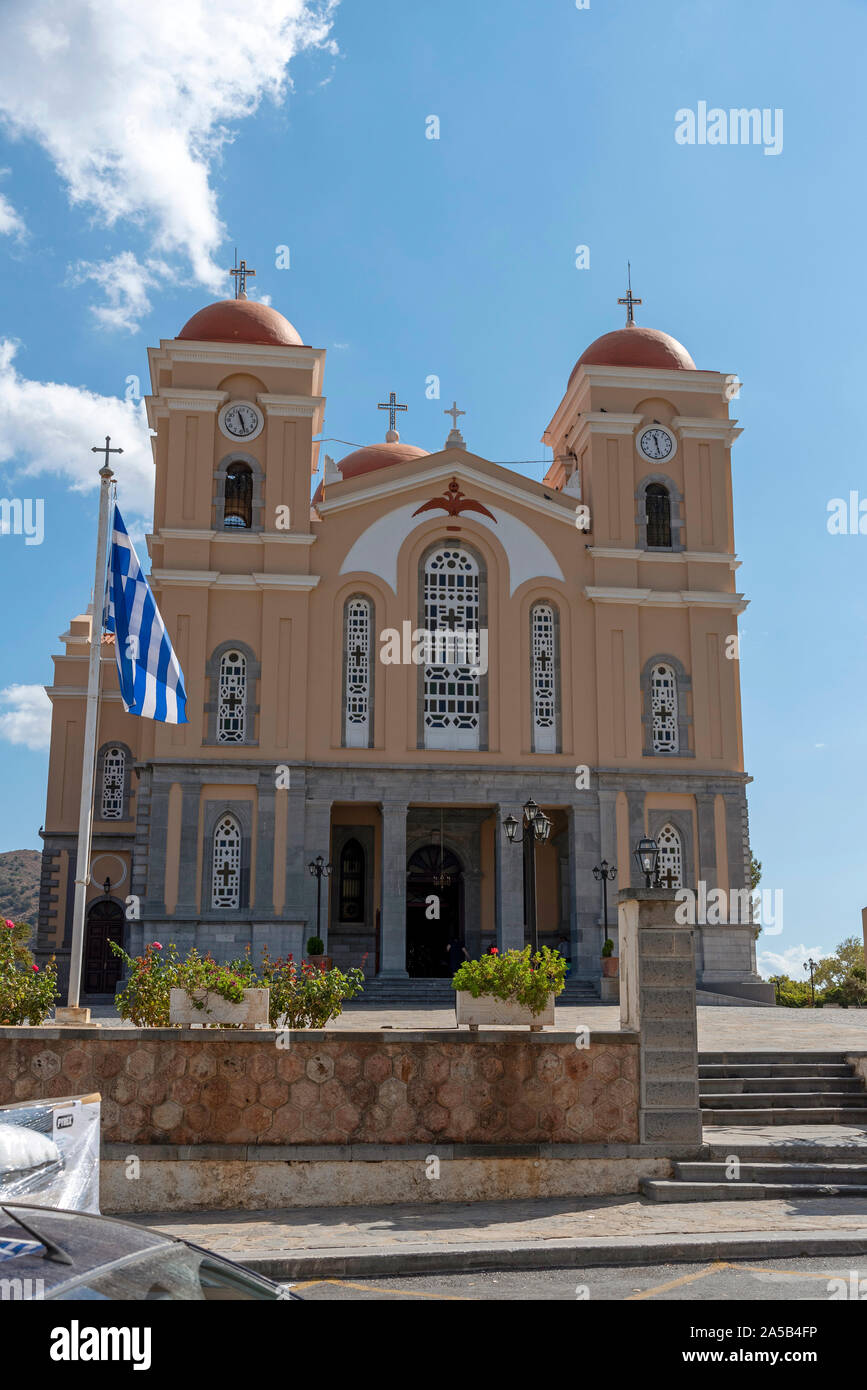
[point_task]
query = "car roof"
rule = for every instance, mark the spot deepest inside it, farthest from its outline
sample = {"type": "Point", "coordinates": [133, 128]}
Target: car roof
{"type": "Point", "coordinates": [91, 1241]}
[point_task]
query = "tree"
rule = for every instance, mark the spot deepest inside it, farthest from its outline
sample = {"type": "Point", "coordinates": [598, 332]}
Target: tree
{"type": "Point", "coordinates": [755, 872]}
{"type": "Point", "coordinates": [847, 959]}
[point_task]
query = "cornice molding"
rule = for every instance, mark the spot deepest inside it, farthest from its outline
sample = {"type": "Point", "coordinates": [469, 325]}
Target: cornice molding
{"type": "Point", "coordinates": [213, 579]}
{"type": "Point", "coordinates": [673, 557]}
{"type": "Point", "coordinates": [290, 407]}
{"type": "Point", "coordinates": [665, 598]}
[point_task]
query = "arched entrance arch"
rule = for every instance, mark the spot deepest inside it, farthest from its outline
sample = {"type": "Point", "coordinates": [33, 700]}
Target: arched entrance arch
{"type": "Point", "coordinates": [102, 968]}
{"type": "Point", "coordinates": [428, 937]}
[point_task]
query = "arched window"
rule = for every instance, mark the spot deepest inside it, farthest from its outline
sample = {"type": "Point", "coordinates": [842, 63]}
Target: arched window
{"type": "Point", "coordinates": [232, 698]}
{"type": "Point", "coordinates": [352, 882]}
{"type": "Point", "coordinates": [663, 705]}
{"type": "Point", "coordinates": [357, 626]}
{"type": "Point", "coordinates": [226, 877]}
{"type": "Point", "coordinates": [658, 505]}
{"type": "Point", "coordinates": [543, 655]}
{"type": "Point", "coordinates": [670, 862]}
{"type": "Point", "coordinates": [452, 702]}
{"type": "Point", "coordinates": [113, 783]}
{"type": "Point", "coordinates": [238, 494]}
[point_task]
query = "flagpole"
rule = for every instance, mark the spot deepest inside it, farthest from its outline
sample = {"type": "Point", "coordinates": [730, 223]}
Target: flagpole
{"type": "Point", "coordinates": [73, 1013]}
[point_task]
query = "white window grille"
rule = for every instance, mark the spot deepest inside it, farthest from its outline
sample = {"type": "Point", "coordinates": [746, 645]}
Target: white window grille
{"type": "Point", "coordinates": [113, 783]}
{"type": "Point", "coordinates": [452, 703]}
{"type": "Point", "coordinates": [226, 878]}
{"type": "Point", "coordinates": [663, 703]}
{"type": "Point", "coordinates": [544, 679]}
{"type": "Point", "coordinates": [232, 699]}
{"type": "Point", "coordinates": [669, 865]}
{"type": "Point", "coordinates": [357, 658]}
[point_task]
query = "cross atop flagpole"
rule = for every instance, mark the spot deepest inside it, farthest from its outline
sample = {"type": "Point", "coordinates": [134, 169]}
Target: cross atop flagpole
{"type": "Point", "coordinates": [73, 1013]}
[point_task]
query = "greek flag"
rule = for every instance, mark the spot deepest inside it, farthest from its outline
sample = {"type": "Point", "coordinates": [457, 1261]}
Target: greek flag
{"type": "Point", "coordinates": [151, 681]}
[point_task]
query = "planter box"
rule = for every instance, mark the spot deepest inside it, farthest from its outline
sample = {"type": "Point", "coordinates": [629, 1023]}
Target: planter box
{"type": "Point", "coordinates": [251, 1012]}
{"type": "Point", "coordinates": [488, 1009]}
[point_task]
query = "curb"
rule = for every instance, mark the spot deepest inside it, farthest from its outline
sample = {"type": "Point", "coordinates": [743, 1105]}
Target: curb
{"type": "Point", "coordinates": [550, 1254]}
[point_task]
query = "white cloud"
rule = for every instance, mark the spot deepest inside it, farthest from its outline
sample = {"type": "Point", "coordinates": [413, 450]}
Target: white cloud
{"type": "Point", "coordinates": [25, 716]}
{"type": "Point", "coordinates": [126, 283]}
{"type": "Point", "coordinates": [790, 962]}
{"type": "Point", "coordinates": [10, 223]}
{"type": "Point", "coordinates": [133, 104]}
{"type": "Point", "coordinates": [50, 427]}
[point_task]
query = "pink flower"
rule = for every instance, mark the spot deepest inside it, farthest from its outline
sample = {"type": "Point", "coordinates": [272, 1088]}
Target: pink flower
{"type": "Point", "coordinates": [36, 969]}
{"type": "Point", "coordinates": [156, 945]}
{"type": "Point", "coordinates": [10, 924]}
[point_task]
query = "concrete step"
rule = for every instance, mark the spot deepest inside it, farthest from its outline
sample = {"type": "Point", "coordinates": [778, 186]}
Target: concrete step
{"type": "Point", "coordinates": [799, 1100]}
{"type": "Point", "coordinates": [738, 1059]}
{"type": "Point", "coordinates": [666, 1190]}
{"type": "Point", "coordinates": [787, 1115]}
{"type": "Point", "coordinates": [778, 1085]}
{"type": "Point", "coordinates": [839, 1174]}
{"type": "Point", "coordinates": [712, 1070]}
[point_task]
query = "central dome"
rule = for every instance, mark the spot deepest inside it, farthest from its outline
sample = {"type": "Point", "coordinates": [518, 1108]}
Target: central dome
{"type": "Point", "coordinates": [373, 456]}
{"type": "Point", "coordinates": [634, 346]}
{"type": "Point", "coordinates": [241, 321]}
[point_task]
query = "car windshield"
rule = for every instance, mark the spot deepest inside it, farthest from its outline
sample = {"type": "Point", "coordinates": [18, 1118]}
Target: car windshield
{"type": "Point", "coordinates": [178, 1273]}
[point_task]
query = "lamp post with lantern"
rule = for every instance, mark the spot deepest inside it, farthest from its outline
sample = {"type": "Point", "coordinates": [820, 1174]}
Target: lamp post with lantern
{"type": "Point", "coordinates": [536, 829]}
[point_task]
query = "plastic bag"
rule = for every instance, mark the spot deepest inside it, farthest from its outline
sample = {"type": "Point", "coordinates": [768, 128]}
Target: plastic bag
{"type": "Point", "coordinates": [49, 1152]}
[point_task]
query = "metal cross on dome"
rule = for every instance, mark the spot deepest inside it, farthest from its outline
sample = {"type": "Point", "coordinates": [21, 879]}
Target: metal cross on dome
{"type": "Point", "coordinates": [454, 412]}
{"type": "Point", "coordinates": [630, 301]}
{"type": "Point", "coordinates": [240, 272]}
{"type": "Point", "coordinates": [392, 407]}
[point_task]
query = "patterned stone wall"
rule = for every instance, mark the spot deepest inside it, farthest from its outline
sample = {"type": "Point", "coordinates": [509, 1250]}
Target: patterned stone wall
{"type": "Point", "coordinates": [172, 1086]}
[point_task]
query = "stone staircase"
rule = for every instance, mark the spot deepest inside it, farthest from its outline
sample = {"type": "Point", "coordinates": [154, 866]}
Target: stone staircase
{"type": "Point", "coordinates": [438, 994]}
{"type": "Point", "coordinates": [755, 1089]}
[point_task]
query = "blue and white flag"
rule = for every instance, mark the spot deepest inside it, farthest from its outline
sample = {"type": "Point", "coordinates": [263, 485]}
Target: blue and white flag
{"type": "Point", "coordinates": [151, 681]}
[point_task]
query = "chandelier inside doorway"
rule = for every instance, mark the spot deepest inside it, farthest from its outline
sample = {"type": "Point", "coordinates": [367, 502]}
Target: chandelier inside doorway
{"type": "Point", "coordinates": [441, 878]}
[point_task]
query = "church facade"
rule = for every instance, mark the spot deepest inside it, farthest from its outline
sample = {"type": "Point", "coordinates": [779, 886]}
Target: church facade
{"type": "Point", "coordinates": [381, 676]}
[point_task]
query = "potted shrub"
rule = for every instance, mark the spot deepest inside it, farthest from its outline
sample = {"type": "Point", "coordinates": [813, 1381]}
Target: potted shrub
{"type": "Point", "coordinates": [512, 987]}
{"type": "Point", "coordinates": [163, 989]}
{"type": "Point", "coordinates": [609, 960]}
{"type": "Point", "coordinates": [307, 996]}
{"type": "Point", "coordinates": [316, 953]}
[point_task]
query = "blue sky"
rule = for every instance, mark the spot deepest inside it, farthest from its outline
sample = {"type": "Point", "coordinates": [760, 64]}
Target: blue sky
{"type": "Point", "coordinates": [455, 257]}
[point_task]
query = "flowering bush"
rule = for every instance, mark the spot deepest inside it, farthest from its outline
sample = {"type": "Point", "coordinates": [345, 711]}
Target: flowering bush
{"type": "Point", "coordinates": [26, 992]}
{"type": "Point", "coordinates": [515, 975]}
{"type": "Point", "coordinates": [302, 996]}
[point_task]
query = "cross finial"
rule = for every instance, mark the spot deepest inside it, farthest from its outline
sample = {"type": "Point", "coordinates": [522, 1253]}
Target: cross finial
{"type": "Point", "coordinates": [104, 449]}
{"type": "Point", "coordinates": [454, 412]}
{"type": "Point", "coordinates": [629, 300]}
{"type": "Point", "coordinates": [240, 273]}
{"type": "Point", "coordinates": [392, 407]}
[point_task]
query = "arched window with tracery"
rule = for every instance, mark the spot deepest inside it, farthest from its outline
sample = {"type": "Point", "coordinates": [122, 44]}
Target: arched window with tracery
{"type": "Point", "coordinates": [658, 507]}
{"type": "Point", "coordinates": [358, 672]}
{"type": "Point", "coordinates": [452, 674]}
{"type": "Point", "coordinates": [238, 495]}
{"type": "Point", "coordinates": [232, 698]}
{"type": "Point", "coordinates": [226, 876]}
{"type": "Point", "coordinates": [663, 705]}
{"type": "Point", "coordinates": [543, 657]}
{"type": "Point", "coordinates": [112, 791]}
{"type": "Point", "coordinates": [351, 882]}
{"type": "Point", "coordinates": [670, 862]}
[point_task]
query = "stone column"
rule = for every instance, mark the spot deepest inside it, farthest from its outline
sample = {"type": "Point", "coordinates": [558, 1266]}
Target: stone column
{"type": "Point", "coordinates": [510, 883]}
{"type": "Point", "coordinates": [635, 802]}
{"type": "Point", "coordinates": [657, 999]}
{"type": "Point", "coordinates": [263, 904]}
{"type": "Point", "coordinates": [187, 901]}
{"type": "Point", "coordinates": [392, 959]}
{"type": "Point", "coordinates": [472, 912]}
{"type": "Point", "coordinates": [584, 892]}
{"type": "Point", "coordinates": [157, 843]}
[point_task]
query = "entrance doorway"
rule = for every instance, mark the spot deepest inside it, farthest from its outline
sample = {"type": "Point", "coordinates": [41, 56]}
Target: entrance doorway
{"type": "Point", "coordinates": [427, 939]}
{"type": "Point", "coordinates": [102, 968]}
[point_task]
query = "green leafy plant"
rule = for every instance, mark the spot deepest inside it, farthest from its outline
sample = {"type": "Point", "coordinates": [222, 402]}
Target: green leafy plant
{"type": "Point", "coordinates": [515, 975]}
{"type": "Point", "coordinates": [315, 946]}
{"type": "Point", "coordinates": [302, 995]}
{"type": "Point", "coordinates": [27, 992]}
{"type": "Point", "coordinates": [607, 948]}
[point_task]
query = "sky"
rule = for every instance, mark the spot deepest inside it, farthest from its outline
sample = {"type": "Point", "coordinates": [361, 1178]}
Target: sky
{"type": "Point", "coordinates": [139, 147]}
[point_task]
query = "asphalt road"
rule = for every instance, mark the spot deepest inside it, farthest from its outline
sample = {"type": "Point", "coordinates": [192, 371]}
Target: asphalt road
{"type": "Point", "coordinates": [799, 1280]}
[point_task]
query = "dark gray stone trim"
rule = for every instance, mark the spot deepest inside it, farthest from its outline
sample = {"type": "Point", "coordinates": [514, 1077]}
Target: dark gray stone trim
{"type": "Point", "coordinates": [459, 544]}
{"type": "Point", "coordinates": [684, 720]}
{"type": "Point", "coordinates": [212, 675]}
{"type": "Point", "coordinates": [558, 702]}
{"type": "Point", "coordinates": [372, 664]}
{"type": "Point", "coordinates": [677, 521]}
{"type": "Point", "coordinates": [258, 508]}
{"type": "Point", "coordinates": [127, 777]}
{"type": "Point", "coordinates": [213, 812]}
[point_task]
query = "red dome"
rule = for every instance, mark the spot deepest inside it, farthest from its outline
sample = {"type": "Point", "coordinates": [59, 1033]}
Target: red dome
{"type": "Point", "coordinates": [373, 456]}
{"type": "Point", "coordinates": [241, 321]}
{"type": "Point", "coordinates": [634, 346]}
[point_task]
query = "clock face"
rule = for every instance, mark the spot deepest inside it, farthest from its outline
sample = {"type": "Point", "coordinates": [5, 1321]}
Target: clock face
{"type": "Point", "coordinates": [656, 443]}
{"type": "Point", "coordinates": [240, 420]}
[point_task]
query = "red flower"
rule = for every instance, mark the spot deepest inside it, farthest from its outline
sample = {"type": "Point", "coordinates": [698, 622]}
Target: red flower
{"type": "Point", "coordinates": [10, 924]}
{"type": "Point", "coordinates": [494, 951]}
{"type": "Point", "coordinates": [156, 945]}
{"type": "Point", "coordinates": [36, 969]}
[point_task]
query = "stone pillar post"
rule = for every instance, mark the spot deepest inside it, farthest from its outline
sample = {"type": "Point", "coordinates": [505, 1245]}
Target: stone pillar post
{"type": "Point", "coordinates": [392, 958]}
{"type": "Point", "coordinates": [264, 901]}
{"type": "Point", "coordinates": [158, 840]}
{"type": "Point", "coordinates": [188, 888]}
{"type": "Point", "coordinates": [657, 999]}
{"type": "Point", "coordinates": [510, 884]}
